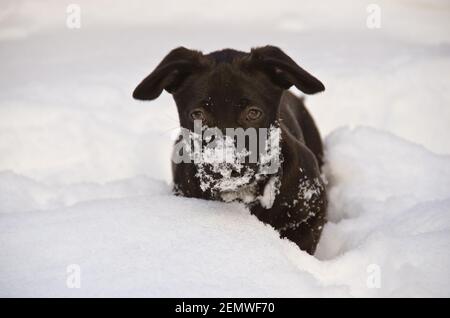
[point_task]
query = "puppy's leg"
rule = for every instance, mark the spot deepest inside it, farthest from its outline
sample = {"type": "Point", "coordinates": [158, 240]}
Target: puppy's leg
{"type": "Point", "coordinates": [185, 183]}
{"type": "Point", "coordinates": [299, 209]}
{"type": "Point", "coordinates": [299, 221]}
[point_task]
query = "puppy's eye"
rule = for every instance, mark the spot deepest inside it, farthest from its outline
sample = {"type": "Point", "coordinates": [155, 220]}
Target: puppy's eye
{"type": "Point", "coordinates": [197, 114]}
{"type": "Point", "coordinates": [253, 113]}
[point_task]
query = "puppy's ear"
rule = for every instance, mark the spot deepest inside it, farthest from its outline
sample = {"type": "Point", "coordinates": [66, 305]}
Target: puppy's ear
{"type": "Point", "coordinates": [169, 74]}
{"type": "Point", "coordinates": [283, 71]}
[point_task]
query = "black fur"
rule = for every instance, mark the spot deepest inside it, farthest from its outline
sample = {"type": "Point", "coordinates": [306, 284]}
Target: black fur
{"type": "Point", "coordinates": [223, 84]}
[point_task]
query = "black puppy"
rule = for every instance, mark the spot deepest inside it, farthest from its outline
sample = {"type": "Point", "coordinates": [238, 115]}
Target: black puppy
{"type": "Point", "coordinates": [233, 89]}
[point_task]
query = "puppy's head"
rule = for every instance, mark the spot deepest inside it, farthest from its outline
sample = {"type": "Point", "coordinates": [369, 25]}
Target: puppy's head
{"type": "Point", "coordinates": [228, 88]}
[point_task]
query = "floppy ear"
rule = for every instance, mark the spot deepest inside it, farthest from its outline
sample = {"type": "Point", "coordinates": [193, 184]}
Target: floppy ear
{"type": "Point", "coordinates": [283, 71]}
{"type": "Point", "coordinates": [169, 74]}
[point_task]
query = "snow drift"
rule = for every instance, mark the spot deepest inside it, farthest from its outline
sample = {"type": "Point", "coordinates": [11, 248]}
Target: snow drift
{"type": "Point", "coordinates": [389, 207]}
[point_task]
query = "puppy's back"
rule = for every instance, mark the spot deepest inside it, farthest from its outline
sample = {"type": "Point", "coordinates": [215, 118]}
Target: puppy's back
{"type": "Point", "coordinates": [296, 118]}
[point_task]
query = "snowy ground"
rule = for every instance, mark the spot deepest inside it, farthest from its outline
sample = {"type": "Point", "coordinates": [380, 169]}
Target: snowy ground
{"type": "Point", "coordinates": [85, 170]}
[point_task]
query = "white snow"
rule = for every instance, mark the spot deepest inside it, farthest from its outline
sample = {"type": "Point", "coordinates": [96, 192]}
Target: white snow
{"type": "Point", "coordinates": [271, 190]}
{"type": "Point", "coordinates": [222, 157]}
{"type": "Point", "coordinates": [85, 170]}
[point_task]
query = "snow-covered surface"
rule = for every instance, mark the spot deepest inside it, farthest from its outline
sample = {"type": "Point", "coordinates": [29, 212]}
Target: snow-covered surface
{"type": "Point", "coordinates": [85, 170]}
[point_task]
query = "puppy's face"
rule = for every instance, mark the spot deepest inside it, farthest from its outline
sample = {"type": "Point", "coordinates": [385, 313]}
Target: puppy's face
{"type": "Point", "coordinates": [227, 89]}
{"type": "Point", "coordinates": [227, 95]}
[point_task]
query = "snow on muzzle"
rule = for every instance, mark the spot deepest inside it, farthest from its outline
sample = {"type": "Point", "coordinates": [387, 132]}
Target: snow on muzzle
{"type": "Point", "coordinates": [227, 162]}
